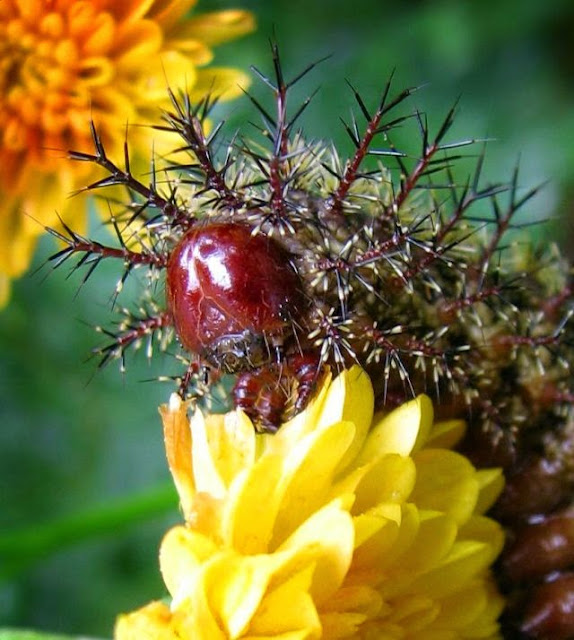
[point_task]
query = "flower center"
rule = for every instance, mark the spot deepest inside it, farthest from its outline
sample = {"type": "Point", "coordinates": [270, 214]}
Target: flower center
{"type": "Point", "coordinates": [45, 100]}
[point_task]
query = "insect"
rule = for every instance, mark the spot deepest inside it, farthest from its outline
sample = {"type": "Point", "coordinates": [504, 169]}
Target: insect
{"type": "Point", "coordinates": [272, 261]}
{"type": "Point", "coordinates": [233, 296]}
{"type": "Point", "coordinates": [237, 301]}
{"type": "Point", "coordinates": [275, 263]}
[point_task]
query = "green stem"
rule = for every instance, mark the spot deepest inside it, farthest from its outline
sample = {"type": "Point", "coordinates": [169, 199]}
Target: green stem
{"type": "Point", "coordinates": [20, 634]}
{"type": "Point", "coordinates": [22, 547]}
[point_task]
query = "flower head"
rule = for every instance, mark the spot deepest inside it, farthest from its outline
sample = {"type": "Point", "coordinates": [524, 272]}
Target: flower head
{"type": "Point", "coordinates": [66, 62]}
{"type": "Point", "coordinates": [342, 525]}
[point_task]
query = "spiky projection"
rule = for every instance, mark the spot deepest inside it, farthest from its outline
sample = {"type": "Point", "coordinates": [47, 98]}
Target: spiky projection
{"type": "Point", "coordinates": [401, 267]}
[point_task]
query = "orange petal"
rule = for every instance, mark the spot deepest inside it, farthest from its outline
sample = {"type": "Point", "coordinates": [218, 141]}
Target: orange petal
{"type": "Point", "coordinates": [135, 43]}
{"type": "Point", "coordinates": [169, 12]}
{"type": "Point", "coordinates": [101, 36]}
{"type": "Point", "coordinates": [177, 436]}
{"type": "Point", "coordinates": [128, 10]}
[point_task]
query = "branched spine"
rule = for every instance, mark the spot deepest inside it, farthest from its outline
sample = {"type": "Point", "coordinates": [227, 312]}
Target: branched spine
{"type": "Point", "coordinates": [132, 329]}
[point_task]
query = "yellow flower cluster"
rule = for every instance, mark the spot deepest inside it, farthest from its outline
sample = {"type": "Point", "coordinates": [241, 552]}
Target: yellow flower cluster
{"type": "Point", "coordinates": [342, 525]}
{"type": "Point", "coordinates": [65, 62]}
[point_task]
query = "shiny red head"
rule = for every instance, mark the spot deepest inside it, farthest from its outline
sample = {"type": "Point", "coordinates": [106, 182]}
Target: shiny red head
{"type": "Point", "coordinates": [233, 294]}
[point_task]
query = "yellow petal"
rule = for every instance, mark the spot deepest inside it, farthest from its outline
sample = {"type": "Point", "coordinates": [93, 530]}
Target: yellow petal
{"type": "Point", "coordinates": [205, 471]}
{"type": "Point", "coordinates": [145, 143]}
{"type": "Point", "coordinates": [426, 422]}
{"type": "Point", "coordinates": [409, 527]}
{"type": "Point", "coordinates": [357, 598]}
{"type": "Point", "coordinates": [485, 624]}
{"type": "Point", "coordinates": [194, 617]}
{"type": "Point", "coordinates": [288, 609]}
{"type": "Point", "coordinates": [16, 251]}
{"type": "Point", "coordinates": [221, 446]}
{"type": "Point", "coordinates": [490, 485]}
{"type": "Point", "coordinates": [327, 537]}
{"type": "Point", "coordinates": [196, 51]}
{"type": "Point", "coordinates": [236, 586]}
{"type": "Point", "coordinates": [435, 537]}
{"type": "Point", "coordinates": [376, 535]}
{"type": "Point", "coordinates": [482, 529]}
{"type": "Point", "coordinates": [216, 27]}
{"type": "Point", "coordinates": [446, 435]}
{"type": "Point", "coordinates": [182, 551]}
{"type": "Point", "coordinates": [414, 612]}
{"type": "Point", "coordinates": [305, 634]}
{"type": "Point", "coordinates": [231, 443]}
{"type": "Point", "coordinates": [466, 560]}
{"type": "Point", "coordinates": [463, 607]}
{"type": "Point", "coordinates": [342, 624]}
{"type": "Point", "coordinates": [168, 70]}
{"type": "Point", "coordinates": [111, 109]}
{"type": "Point", "coordinates": [308, 472]}
{"type": "Point", "coordinates": [253, 503]}
{"type": "Point", "coordinates": [344, 613]}
{"type": "Point", "coordinates": [399, 430]}
{"type": "Point", "coordinates": [303, 423]}
{"type": "Point", "coordinates": [220, 82]}
{"type": "Point", "coordinates": [4, 290]}
{"type": "Point", "coordinates": [391, 479]}
{"type": "Point", "coordinates": [446, 481]}
{"type": "Point", "coordinates": [43, 199]}
{"type": "Point", "coordinates": [152, 622]}
{"type": "Point", "coordinates": [350, 397]}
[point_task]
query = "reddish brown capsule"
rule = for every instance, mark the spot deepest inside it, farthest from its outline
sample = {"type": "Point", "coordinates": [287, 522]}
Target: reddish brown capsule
{"type": "Point", "coordinates": [233, 295]}
{"type": "Point", "coordinates": [541, 548]}
{"type": "Point", "coordinates": [550, 612]}
{"type": "Point", "coordinates": [538, 487]}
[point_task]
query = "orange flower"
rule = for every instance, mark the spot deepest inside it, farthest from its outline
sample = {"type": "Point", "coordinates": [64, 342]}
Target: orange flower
{"type": "Point", "coordinates": [65, 62]}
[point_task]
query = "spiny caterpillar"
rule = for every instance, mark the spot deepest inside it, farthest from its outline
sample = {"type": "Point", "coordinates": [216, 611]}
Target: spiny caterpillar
{"type": "Point", "coordinates": [282, 259]}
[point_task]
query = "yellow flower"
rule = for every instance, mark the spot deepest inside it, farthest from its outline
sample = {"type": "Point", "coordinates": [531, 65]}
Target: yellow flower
{"type": "Point", "coordinates": [65, 62]}
{"type": "Point", "coordinates": [342, 525]}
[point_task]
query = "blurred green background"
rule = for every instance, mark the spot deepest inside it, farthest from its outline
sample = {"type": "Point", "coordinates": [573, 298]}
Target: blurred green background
{"type": "Point", "coordinates": [84, 490]}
